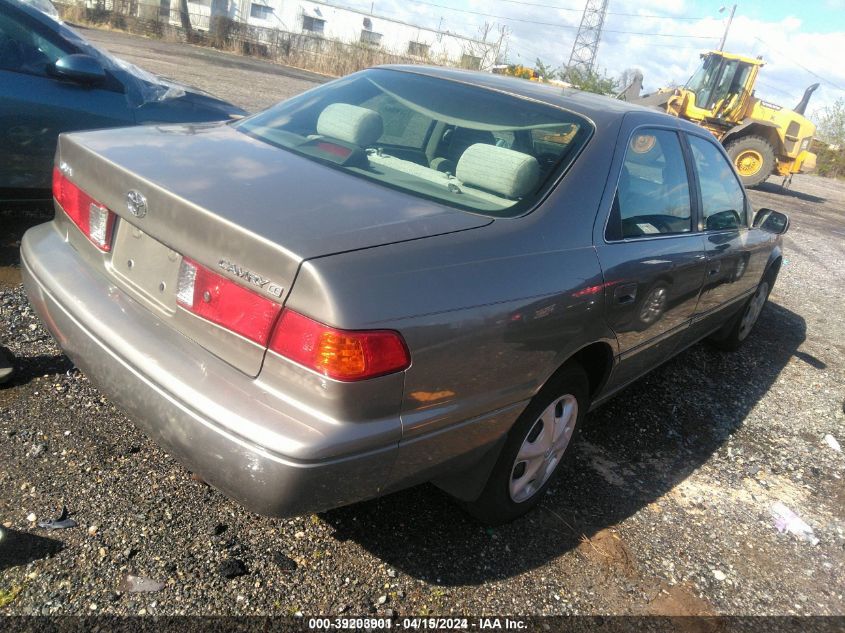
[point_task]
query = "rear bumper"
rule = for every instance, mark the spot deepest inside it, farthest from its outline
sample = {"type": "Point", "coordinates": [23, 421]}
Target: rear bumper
{"type": "Point", "coordinates": [214, 419]}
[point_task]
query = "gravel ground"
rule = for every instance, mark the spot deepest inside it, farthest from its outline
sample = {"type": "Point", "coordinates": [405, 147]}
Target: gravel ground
{"type": "Point", "coordinates": [247, 82]}
{"type": "Point", "coordinates": [664, 506]}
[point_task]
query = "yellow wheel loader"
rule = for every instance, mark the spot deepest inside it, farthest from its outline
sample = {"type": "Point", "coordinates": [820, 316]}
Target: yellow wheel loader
{"type": "Point", "coordinates": [762, 138]}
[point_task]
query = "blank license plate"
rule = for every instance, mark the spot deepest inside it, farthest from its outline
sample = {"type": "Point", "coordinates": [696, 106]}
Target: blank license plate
{"type": "Point", "coordinates": [148, 267]}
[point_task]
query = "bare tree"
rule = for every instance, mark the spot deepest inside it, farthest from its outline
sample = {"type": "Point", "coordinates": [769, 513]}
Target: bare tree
{"type": "Point", "coordinates": [185, 17]}
{"type": "Point", "coordinates": [628, 75]}
{"type": "Point", "coordinates": [488, 44]}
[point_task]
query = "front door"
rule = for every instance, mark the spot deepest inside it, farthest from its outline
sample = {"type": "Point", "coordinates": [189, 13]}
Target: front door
{"type": "Point", "coordinates": [736, 255]}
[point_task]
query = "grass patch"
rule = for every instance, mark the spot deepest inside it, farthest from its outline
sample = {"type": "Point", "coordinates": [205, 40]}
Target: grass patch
{"type": "Point", "coordinates": [7, 597]}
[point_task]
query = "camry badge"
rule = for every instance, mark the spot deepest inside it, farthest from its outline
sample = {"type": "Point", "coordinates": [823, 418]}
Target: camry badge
{"type": "Point", "coordinates": [256, 280]}
{"type": "Point", "coordinates": [136, 203]}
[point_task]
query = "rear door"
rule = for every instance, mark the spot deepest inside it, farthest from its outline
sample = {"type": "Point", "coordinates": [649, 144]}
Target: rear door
{"type": "Point", "coordinates": [35, 106]}
{"type": "Point", "coordinates": [736, 255]}
{"type": "Point", "coordinates": [651, 254]}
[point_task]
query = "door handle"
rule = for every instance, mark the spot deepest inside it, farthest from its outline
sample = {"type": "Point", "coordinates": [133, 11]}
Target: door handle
{"type": "Point", "coordinates": [625, 294]}
{"type": "Point", "coordinates": [714, 269]}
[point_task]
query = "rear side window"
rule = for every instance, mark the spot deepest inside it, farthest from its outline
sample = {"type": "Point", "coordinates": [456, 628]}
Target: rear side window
{"type": "Point", "coordinates": [722, 198]}
{"type": "Point", "coordinates": [653, 195]}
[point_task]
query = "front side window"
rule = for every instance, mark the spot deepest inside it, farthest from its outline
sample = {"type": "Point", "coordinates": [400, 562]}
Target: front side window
{"type": "Point", "coordinates": [722, 198]}
{"type": "Point", "coordinates": [462, 145]}
{"type": "Point", "coordinates": [24, 50]}
{"type": "Point", "coordinates": [701, 84]}
{"type": "Point", "coordinates": [653, 195]}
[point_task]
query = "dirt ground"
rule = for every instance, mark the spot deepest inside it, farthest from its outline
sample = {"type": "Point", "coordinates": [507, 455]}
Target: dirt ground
{"type": "Point", "coordinates": [665, 506]}
{"type": "Point", "coordinates": [247, 82]}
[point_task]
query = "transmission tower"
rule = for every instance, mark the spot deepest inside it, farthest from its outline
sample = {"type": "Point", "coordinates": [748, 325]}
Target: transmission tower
{"type": "Point", "coordinates": [583, 56]}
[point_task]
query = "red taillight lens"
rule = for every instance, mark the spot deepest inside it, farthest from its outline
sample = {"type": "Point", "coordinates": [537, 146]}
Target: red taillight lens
{"type": "Point", "coordinates": [339, 354]}
{"type": "Point", "coordinates": [226, 303]}
{"type": "Point", "coordinates": [92, 218]}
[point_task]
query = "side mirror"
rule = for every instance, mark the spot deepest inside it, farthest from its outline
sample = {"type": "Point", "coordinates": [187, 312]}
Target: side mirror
{"type": "Point", "coordinates": [771, 221]}
{"type": "Point", "coordinates": [82, 69]}
{"type": "Point", "coordinates": [723, 221]}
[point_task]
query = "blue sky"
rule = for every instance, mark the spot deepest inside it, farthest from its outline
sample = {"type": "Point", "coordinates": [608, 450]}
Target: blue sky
{"type": "Point", "coordinates": [796, 39]}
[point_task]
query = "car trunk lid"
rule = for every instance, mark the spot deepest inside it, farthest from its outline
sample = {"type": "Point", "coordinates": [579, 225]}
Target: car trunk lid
{"type": "Point", "coordinates": [248, 211]}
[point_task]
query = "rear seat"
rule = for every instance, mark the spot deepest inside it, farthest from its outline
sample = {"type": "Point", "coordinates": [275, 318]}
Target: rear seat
{"type": "Point", "coordinates": [497, 174]}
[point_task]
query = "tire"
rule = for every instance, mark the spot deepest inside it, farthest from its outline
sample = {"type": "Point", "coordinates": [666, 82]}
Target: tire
{"type": "Point", "coordinates": [753, 158]}
{"type": "Point", "coordinates": [742, 324]}
{"type": "Point", "coordinates": [563, 400]}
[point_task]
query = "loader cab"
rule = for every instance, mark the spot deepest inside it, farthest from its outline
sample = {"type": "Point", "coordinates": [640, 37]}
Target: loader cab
{"type": "Point", "coordinates": [721, 87]}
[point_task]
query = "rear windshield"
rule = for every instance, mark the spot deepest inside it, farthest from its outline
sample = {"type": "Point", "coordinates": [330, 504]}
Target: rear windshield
{"type": "Point", "coordinates": [462, 145]}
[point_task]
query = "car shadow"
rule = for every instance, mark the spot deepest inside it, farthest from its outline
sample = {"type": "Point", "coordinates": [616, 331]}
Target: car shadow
{"type": "Point", "coordinates": [631, 451]}
{"type": "Point", "coordinates": [22, 548]}
{"type": "Point", "coordinates": [27, 368]}
{"type": "Point", "coordinates": [776, 189]}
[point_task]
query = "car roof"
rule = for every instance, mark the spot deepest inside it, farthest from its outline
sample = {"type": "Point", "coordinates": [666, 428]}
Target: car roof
{"type": "Point", "coordinates": [599, 108]}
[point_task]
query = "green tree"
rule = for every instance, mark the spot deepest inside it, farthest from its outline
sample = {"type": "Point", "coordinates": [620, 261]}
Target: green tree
{"type": "Point", "coordinates": [830, 148]}
{"type": "Point", "coordinates": [591, 81]}
{"type": "Point", "coordinates": [831, 123]}
{"type": "Point", "coordinates": [545, 71]}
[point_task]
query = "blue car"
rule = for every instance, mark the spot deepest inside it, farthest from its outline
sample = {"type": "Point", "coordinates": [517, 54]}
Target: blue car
{"type": "Point", "coordinates": [52, 81]}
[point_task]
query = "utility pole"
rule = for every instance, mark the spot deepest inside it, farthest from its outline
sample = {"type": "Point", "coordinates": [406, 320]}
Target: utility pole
{"type": "Point", "coordinates": [727, 27]}
{"type": "Point", "coordinates": [583, 56]}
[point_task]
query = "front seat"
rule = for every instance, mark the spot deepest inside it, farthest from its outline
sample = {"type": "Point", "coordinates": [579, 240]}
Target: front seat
{"type": "Point", "coordinates": [455, 142]}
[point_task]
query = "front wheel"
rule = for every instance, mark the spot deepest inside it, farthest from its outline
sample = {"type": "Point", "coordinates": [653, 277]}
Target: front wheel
{"type": "Point", "coordinates": [535, 447]}
{"type": "Point", "coordinates": [753, 157]}
{"type": "Point", "coordinates": [743, 324]}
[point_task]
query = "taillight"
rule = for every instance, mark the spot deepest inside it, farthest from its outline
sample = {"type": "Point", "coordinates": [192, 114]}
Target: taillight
{"type": "Point", "coordinates": [339, 354]}
{"type": "Point", "coordinates": [216, 299]}
{"type": "Point", "coordinates": [92, 218]}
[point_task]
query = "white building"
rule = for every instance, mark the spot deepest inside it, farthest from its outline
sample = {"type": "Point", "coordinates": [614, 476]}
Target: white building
{"type": "Point", "coordinates": [322, 19]}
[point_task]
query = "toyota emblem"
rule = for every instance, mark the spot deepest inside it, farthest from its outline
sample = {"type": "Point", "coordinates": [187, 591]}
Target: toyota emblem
{"type": "Point", "coordinates": [136, 203]}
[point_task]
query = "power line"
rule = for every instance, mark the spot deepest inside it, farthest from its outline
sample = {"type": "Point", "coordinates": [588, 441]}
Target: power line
{"type": "Point", "coordinates": [769, 86]}
{"type": "Point", "coordinates": [555, 24]}
{"type": "Point", "coordinates": [792, 61]}
{"type": "Point", "coordinates": [577, 10]}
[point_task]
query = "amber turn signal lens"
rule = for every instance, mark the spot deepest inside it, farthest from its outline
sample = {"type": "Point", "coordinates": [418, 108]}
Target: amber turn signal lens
{"type": "Point", "coordinates": [340, 354]}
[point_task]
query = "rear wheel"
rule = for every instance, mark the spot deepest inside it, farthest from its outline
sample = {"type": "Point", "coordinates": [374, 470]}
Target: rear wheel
{"type": "Point", "coordinates": [753, 157]}
{"type": "Point", "coordinates": [535, 447]}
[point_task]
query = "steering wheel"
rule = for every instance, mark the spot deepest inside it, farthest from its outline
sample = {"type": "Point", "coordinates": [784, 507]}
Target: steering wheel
{"type": "Point", "coordinates": [547, 160]}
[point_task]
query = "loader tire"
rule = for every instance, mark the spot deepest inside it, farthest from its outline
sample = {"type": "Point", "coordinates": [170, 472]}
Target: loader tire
{"type": "Point", "coordinates": [753, 158]}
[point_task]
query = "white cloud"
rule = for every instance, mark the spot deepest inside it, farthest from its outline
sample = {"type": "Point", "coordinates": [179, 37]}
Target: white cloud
{"type": "Point", "coordinates": [784, 43]}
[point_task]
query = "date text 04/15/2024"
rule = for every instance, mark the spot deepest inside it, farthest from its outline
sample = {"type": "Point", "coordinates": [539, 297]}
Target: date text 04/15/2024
{"type": "Point", "coordinates": [419, 623]}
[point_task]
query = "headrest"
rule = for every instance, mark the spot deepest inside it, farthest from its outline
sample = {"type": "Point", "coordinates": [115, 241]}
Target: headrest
{"type": "Point", "coordinates": [350, 124]}
{"type": "Point", "coordinates": [498, 169]}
